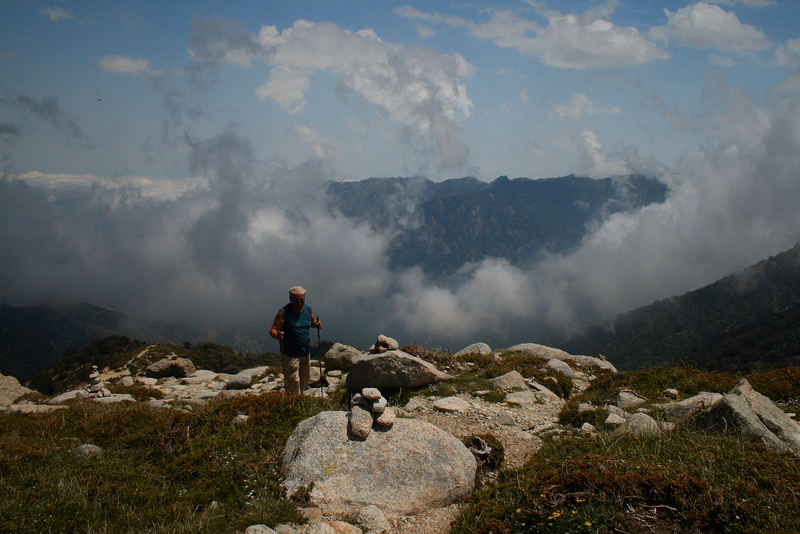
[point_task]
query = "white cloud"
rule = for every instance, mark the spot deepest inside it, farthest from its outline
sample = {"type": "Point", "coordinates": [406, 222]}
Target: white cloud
{"type": "Point", "coordinates": [313, 139]}
{"type": "Point", "coordinates": [567, 41]}
{"type": "Point", "coordinates": [57, 14]}
{"type": "Point", "coordinates": [748, 3]}
{"type": "Point", "coordinates": [580, 105]}
{"type": "Point", "coordinates": [593, 161]}
{"type": "Point", "coordinates": [129, 65]}
{"type": "Point", "coordinates": [523, 96]}
{"type": "Point", "coordinates": [418, 88]}
{"type": "Point", "coordinates": [788, 53]}
{"type": "Point", "coordinates": [287, 87]}
{"type": "Point", "coordinates": [708, 27]}
{"type": "Point", "coordinates": [720, 61]}
{"type": "Point", "coordinates": [424, 31]}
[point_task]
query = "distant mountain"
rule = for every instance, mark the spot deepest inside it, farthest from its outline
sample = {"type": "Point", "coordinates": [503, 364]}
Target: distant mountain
{"type": "Point", "coordinates": [33, 336]}
{"type": "Point", "coordinates": [744, 322]}
{"type": "Point", "coordinates": [441, 226]}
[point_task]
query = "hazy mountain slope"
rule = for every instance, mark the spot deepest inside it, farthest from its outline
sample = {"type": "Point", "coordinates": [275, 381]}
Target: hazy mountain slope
{"type": "Point", "coordinates": [744, 321]}
{"type": "Point", "coordinates": [443, 225]}
{"type": "Point", "coordinates": [32, 336]}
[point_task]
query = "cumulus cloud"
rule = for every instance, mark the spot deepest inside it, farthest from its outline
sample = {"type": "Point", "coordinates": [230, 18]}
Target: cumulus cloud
{"type": "Point", "coordinates": [57, 14]}
{"type": "Point", "coordinates": [709, 27]}
{"type": "Point", "coordinates": [313, 139]}
{"type": "Point", "coordinates": [418, 88]}
{"type": "Point", "coordinates": [49, 110]}
{"type": "Point", "coordinates": [593, 161]}
{"type": "Point", "coordinates": [574, 41]}
{"type": "Point", "coordinates": [287, 87]}
{"type": "Point", "coordinates": [129, 65]}
{"type": "Point", "coordinates": [580, 105]}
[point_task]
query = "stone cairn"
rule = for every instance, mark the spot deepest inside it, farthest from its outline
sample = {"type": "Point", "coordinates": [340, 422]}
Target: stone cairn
{"type": "Point", "coordinates": [367, 408]}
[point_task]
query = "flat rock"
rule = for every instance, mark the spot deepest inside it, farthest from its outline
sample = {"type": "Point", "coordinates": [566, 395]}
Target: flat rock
{"type": "Point", "coordinates": [33, 408]}
{"type": "Point", "coordinates": [629, 400]}
{"type": "Point", "coordinates": [242, 379]}
{"type": "Point", "coordinates": [88, 450]}
{"type": "Point", "coordinates": [510, 380]}
{"type": "Point", "coordinates": [543, 351]}
{"type": "Point", "coordinates": [371, 394]}
{"type": "Point", "coordinates": [543, 393]}
{"type": "Point", "coordinates": [452, 404]}
{"type": "Point", "coordinates": [523, 398]}
{"type": "Point", "coordinates": [115, 397]}
{"type": "Point", "coordinates": [409, 469]}
{"type": "Point", "coordinates": [504, 418]}
{"type": "Point", "coordinates": [67, 395]}
{"type": "Point", "coordinates": [475, 348]}
{"type": "Point", "coordinates": [199, 376]}
{"type": "Point", "coordinates": [392, 370]}
{"type": "Point", "coordinates": [614, 420]}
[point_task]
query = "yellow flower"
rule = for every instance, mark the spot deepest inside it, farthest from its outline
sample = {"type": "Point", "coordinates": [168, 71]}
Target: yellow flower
{"type": "Point", "coordinates": [588, 523]}
{"type": "Point", "coordinates": [574, 512]}
{"type": "Point", "coordinates": [542, 495]}
{"type": "Point", "coordinates": [519, 510]}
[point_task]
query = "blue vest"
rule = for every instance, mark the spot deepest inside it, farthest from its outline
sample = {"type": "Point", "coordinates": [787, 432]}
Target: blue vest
{"type": "Point", "coordinates": [295, 331]}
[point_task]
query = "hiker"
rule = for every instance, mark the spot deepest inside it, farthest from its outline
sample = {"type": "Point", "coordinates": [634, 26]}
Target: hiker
{"type": "Point", "coordinates": [291, 329]}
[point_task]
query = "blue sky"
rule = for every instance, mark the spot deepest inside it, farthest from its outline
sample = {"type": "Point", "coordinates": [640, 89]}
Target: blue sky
{"type": "Point", "coordinates": [153, 153]}
{"type": "Point", "coordinates": [532, 89]}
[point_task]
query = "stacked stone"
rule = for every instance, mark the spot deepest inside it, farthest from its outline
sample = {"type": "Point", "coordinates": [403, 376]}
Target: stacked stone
{"type": "Point", "coordinates": [97, 389]}
{"type": "Point", "coordinates": [367, 408]}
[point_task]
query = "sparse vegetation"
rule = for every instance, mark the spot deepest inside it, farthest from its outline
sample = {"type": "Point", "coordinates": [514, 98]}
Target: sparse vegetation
{"type": "Point", "coordinates": [161, 470]}
{"type": "Point", "coordinates": [678, 482]}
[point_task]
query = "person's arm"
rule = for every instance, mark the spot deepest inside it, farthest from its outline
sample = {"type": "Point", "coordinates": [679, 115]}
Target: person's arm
{"type": "Point", "coordinates": [315, 322]}
{"type": "Point", "coordinates": [277, 327]}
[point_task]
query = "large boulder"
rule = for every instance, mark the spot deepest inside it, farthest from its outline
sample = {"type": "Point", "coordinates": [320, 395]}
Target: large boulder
{"type": "Point", "coordinates": [475, 348]}
{"type": "Point", "coordinates": [341, 356]}
{"type": "Point", "coordinates": [170, 366]}
{"type": "Point", "coordinates": [746, 412]}
{"type": "Point", "coordinates": [11, 390]}
{"type": "Point", "coordinates": [392, 370]}
{"type": "Point", "coordinates": [406, 470]}
{"type": "Point", "coordinates": [549, 353]}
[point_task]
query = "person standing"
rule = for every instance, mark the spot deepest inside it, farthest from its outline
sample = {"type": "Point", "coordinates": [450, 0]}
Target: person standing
{"type": "Point", "coordinates": [291, 328]}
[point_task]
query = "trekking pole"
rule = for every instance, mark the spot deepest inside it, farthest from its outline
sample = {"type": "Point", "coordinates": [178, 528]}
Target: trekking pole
{"type": "Point", "coordinates": [321, 366]}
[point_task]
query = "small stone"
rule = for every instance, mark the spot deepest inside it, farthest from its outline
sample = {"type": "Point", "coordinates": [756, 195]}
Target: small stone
{"type": "Point", "coordinates": [312, 514]}
{"type": "Point", "coordinates": [588, 428]}
{"type": "Point", "coordinates": [360, 422]}
{"type": "Point", "coordinates": [379, 406]}
{"type": "Point", "coordinates": [614, 420]}
{"type": "Point", "coordinates": [240, 419]}
{"type": "Point", "coordinates": [340, 527]}
{"type": "Point", "coordinates": [523, 398]}
{"type": "Point", "coordinates": [628, 400]}
{"type": "Point", "coordinates": [356, 399]}
{"type": "Point", "coordinates": [371, 518]}
{"type": "Point", "coordinates": [414, 404]}
{"type": "Point", "coordinates": [87, 450]}
{"type": "Point", "coordinates": [504, 418]}
{"type": "Point", "coordinates": [670, 393]}
{"type": "Point", "coordinates": [259, 529]}
{"type": "Point", "coordinates": [336, 373]}
{"type": "Point", "coordinates": [586, 407]}
{"type": "Point", "coordinates": [510, 380]}
{"type": "Point", "coordinates": [560, 366]}
{"type": "Point", "coordinates": [127, 381]}
{"type": "Point", "coordinates": [386, 419]}
{"type": "Point", "coordinates": [371, 394]}
{"type": "Point", "coordinates": [285, 529]}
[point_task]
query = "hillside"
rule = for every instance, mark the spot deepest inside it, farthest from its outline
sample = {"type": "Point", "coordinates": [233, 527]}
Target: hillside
{"type": "Point", "coordinates": [33, 336]}
{"type": "Point", "coordinates": [746, 321]}
{"type": "Point", "coordinates": [443, 225]}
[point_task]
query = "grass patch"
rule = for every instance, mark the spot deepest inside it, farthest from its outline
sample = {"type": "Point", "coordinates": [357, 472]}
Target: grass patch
{"type": "Point", "coordinates": [161, 470]}
{"type": "Point", "coordinates": [679, 482]}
